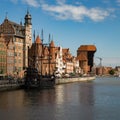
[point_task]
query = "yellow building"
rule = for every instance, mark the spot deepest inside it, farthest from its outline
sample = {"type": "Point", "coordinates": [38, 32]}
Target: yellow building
{"type": "Point", "coordinates": [16, 39]}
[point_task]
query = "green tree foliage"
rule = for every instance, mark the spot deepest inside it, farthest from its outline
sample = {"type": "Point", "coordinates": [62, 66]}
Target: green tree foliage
{"type": "Point", "coordinates": [112, 72]}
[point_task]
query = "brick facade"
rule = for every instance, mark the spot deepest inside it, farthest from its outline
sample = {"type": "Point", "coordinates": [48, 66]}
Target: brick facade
{"type": "Point", "coordinates": [16, 39]}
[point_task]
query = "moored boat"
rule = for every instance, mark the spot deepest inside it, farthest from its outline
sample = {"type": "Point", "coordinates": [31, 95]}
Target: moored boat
{"type": "Point", "coordinates": [34, 80]}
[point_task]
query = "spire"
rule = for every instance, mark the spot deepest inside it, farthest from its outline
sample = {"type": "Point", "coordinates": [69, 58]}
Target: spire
{"type": "Point", "coordinates": [21, 22]}
{"type": "Point", "coordinates": [6, 16]}
{"type": "Point", "coordinates": [28, 18]}
{"type": "Point", "coordinates": [27, 11]}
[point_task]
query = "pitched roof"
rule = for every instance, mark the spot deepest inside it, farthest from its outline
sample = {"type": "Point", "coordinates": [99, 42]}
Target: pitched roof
{"type": "Point", "coordinates": [13, 28]}
{"type": "Point", "coordinates": [38, 40]}
{"type": "Point", "coordinates": [87, 48]}
{"type": "Point", "coordinates": [65, 50]}
{"type": "Point", "coordinates": [52, 44]}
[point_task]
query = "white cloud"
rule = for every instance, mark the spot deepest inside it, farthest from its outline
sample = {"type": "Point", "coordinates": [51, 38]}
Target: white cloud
{"type": "Point", "coordinates": [77, 13]}
{"type": "Point", "coordinates": [106, 1]}
{"type": "Point", "coordinates": [33, 3]}
{"type": "Point", "coordinates": [64, 11]}
{"type": "Point", "coordinates": [60, 1]}
{"type": "Point", "coordinates": [118, 1]}
{"type": "Point", "coordinates": [14, 1]}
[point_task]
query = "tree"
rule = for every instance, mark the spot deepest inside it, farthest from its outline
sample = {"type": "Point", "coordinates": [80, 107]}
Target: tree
{"type": "Point", "coordinates": [112, 72]}
{"type": "Point", "coordinates": [1, 71]}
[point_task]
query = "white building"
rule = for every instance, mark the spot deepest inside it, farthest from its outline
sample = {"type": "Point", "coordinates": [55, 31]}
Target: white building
{"type": "Point", "coordinates": [59, 61]}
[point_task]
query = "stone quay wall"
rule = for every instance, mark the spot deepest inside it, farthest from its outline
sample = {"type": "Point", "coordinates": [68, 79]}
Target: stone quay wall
{"type": "Point", "coordinates": [70, 80]}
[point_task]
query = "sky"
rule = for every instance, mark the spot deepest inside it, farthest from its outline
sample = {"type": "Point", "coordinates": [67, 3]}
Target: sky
{"type": "Point", "coordinates": [73, 23]}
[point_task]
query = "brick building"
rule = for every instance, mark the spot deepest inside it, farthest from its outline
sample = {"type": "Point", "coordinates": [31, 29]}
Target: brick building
{"type": "Point", "coordinates": [42, 57]}
{"type": "Point", "coordinates": [16, 38]}
{"type": "Point", "coordinates": [85, 55]}
{"type": "Point", "coordinates": [50, 59]}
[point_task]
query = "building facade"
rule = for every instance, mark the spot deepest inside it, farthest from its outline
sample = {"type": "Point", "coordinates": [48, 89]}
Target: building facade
{"type": "Point", "coordinates": [16, 39]}
{"type": "Point", "coordinates": [50, 59]}
{"type": "Point", "coordinates": [42, 57]}
{"type": "Point", "coordinates": [59, 61]}
{"type": "Point", "coordinates": [3, 55]}
{"type": "Point", "coordinates": [85, 55]}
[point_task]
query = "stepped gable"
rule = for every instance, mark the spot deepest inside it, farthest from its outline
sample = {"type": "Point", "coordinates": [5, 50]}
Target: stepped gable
{"type": "Point", "coordinates": [66, 54]}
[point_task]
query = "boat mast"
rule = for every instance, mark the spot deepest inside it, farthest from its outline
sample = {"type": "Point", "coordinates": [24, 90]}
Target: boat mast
{"type": "Point", "coordinates": [49, 56]}
{"type": "Point", "coordinates": [41, 57]}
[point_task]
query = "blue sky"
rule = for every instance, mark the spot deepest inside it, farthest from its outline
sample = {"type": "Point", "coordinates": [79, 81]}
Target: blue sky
{"type": "Point", "coordinates": [73, 23]}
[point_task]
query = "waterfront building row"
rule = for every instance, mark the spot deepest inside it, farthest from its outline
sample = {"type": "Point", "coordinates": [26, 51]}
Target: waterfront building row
{"type": "Point", "coordinates": [51, 59]}
{"type": "Point", "coordinates": [18, 52]}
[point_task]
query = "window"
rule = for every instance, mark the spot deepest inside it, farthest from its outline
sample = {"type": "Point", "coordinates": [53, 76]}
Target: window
{"type": "Point", "coordinates": [15, 61]}
{"type": "Point", "coordinates": [19, 54]}
{"type": "Point", "coordinates": [19, 61]}
{"type": "Point", "coordinates": [15, 54]}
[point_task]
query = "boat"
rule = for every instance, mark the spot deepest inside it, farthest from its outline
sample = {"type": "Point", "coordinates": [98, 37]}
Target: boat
{"type": "Point", "coordinates": [34, 80]}
{"type": "Point", "coordinates": [34, 77]}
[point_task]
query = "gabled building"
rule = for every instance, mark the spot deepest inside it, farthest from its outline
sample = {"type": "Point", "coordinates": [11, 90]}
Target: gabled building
{"type": "Point", "coordinates": [59, 61]}
{"type": "Point", "coordinates": [17, 38]}
{"type": "Point", "coordinates": [76, 67]}
{"type": "Point", "coordinates": [42, 57]}
{"type": "Point", "coordinates": [67, 60]}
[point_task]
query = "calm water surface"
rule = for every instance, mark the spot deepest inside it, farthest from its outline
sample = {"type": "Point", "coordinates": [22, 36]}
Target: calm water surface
{"type": "Point", "coordinates": [96, 100]}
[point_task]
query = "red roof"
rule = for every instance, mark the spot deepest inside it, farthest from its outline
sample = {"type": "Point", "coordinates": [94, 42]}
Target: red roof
{"type": "Point", "coordinates": [87, 48]}
{"type": "Point", "coordinates": [38, 40]}
{"type": "Point", "coordinates": [52, 44]}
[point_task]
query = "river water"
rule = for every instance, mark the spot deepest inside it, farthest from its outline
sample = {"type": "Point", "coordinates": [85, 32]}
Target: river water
{"type": "Point", "coordinates": [96, 100]}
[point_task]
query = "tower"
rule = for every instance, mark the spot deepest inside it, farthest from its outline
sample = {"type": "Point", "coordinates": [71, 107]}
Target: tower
{"type": "Point", "coordinates": [28, 37]}
{"type": "Point", "coordinates": [85, 55]}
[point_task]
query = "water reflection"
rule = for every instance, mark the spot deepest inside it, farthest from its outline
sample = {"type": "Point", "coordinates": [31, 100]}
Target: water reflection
{"type": "Point", "coordinates": [87, 93]}
{"type": "Point", "coordinates": [11, 99]}
{"type": "Point", "coordinates": [59, 91]}
{"type": "Point", "coordinates": [98, 100]}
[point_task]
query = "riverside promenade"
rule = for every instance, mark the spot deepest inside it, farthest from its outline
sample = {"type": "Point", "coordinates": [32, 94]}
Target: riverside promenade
{"type": "Point", "coordinates": [15, 84]}
{"type": "Point", "coordinates": [10, 85]}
